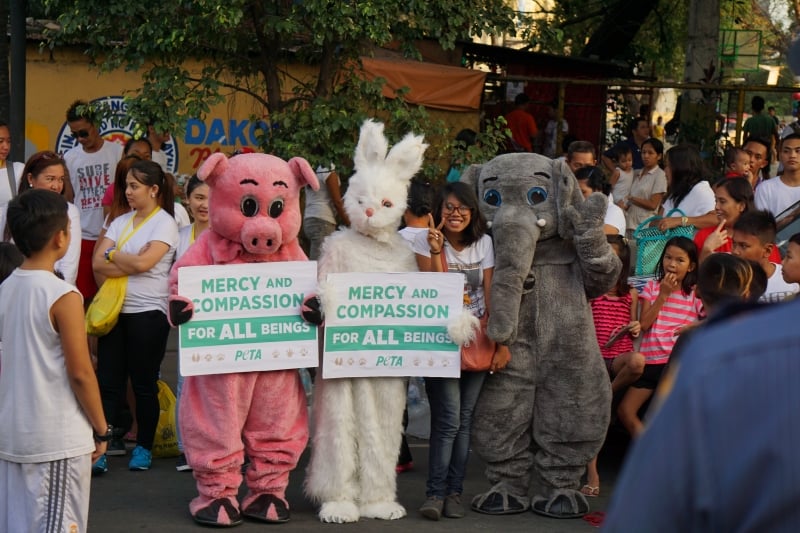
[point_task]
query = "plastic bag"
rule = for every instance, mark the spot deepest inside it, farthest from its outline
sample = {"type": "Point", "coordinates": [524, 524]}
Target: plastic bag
{"type": "Point", "coordinates": [165, 443]}
{"type": "Point", "coordinates": [103, 312]}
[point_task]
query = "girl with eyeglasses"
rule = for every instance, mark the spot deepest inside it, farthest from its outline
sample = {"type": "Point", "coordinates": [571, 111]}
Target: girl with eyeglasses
{"type": "Point", "coordinates": [456, 238]}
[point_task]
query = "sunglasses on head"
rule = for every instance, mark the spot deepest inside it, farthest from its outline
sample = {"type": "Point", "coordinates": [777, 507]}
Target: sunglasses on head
{"type": "Point", "coordinates": [80, 133]}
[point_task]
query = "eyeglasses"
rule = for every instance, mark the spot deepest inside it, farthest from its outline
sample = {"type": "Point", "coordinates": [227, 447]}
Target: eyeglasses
{"type": "Point", "coordinates": [80, 133]}
{"type": "Point", "coordinates": [462, 209]}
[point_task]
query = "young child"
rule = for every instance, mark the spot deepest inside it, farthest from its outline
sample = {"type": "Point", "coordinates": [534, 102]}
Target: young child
{"type": "Point", "coordinates": [667, 304]}
{"type": "Point", "coordinates": [737, 163]}
{"type": "Point", "coordinates": [753, 239]}
{"type": "Point", "coordinates": [791, 263]}
{"type": "Point", "coordinates": [622, 177]}
{"type": "Point", "coordinates": [613, 312]}
{"type": "Point", "coordinates": [46, 445]}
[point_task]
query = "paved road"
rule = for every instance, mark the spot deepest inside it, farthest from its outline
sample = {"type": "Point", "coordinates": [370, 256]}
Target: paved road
{"type": "Point", "coordinates": [157, 500]}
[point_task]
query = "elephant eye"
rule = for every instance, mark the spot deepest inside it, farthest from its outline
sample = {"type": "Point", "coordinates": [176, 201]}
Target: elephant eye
{"type": "Point", "coordinates": [276, 208]}
{"type": "Point", "coordinates": [536, 195]}
{"type": "Point", "coordinates": [249, 206]}
{"type": "Point", "coordinates": [492, 197]}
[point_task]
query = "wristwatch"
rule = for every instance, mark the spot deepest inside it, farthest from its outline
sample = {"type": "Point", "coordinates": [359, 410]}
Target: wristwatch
{"type": "Point", "coordinates": [108, 252]}
{"type": "Point", "coordinates": [107, 436]}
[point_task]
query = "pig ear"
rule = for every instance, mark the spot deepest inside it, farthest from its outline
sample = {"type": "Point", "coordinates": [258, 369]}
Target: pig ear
{"type": "Point", "coordinates": [303, 172]}
{"type": "Point", "coordinates": [212, 168]}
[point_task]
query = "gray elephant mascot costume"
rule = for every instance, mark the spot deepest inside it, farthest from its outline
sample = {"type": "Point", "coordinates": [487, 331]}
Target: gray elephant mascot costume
{"type": "Point", "coordinates": [547, 413]}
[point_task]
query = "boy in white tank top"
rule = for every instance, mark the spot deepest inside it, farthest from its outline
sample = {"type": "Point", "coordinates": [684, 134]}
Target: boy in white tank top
{"type": "Point", "coordinates": [47, 444]}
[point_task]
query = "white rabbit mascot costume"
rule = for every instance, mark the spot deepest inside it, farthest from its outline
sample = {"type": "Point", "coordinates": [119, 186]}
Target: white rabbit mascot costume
{"type": "Point", "coordinates": [358, 421]}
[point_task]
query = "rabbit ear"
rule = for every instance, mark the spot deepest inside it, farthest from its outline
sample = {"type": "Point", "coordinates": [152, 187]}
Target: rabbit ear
{"type": "Point", "coordinates": [406, 156]}
{"type": "Point", "coordinates": [372, 145]}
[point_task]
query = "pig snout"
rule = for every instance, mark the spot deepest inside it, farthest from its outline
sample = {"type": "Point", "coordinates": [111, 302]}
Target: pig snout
{"type": "Point", "coordinates": [263, 236]}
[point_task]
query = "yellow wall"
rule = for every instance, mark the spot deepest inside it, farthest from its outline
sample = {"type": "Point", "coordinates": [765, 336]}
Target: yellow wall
{"type": "Point", "coordinates": [55, 80]}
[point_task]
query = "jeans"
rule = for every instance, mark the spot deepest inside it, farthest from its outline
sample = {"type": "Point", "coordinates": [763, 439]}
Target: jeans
{"type": "Point", "coordinates": [315, 230]}
{"type": "Point", "coordinates": [135, 349]}
{"type": "Point", "coordinates": [452, 402]}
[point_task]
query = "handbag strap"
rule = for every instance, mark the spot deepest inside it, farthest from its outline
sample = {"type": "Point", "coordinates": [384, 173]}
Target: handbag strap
{"type": "Point", "coordinates": [443, 259]}
{"type": "Point", "coordinates": [123, 237]}
{"type": "Point", "coordinates": [12, 179]}
{"type": "Point", "coordinates": [675, 210]}
{"type": "Point", "coordinates": [645, 224]}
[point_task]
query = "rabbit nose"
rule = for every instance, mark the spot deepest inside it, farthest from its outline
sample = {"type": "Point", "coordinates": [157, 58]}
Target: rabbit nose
{"type": "Point", "coordinates": [369, 212]}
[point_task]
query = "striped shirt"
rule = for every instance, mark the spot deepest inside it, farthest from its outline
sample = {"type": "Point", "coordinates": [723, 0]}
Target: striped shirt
{"type": "Point", "coordinates": [611, 313]}
{"type": "Point", "coordinates": [678, 311]}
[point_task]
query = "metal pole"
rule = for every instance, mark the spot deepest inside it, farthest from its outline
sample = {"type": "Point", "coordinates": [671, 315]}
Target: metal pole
{"type": "Point", "coordinates": [739, 116]}
{"type": "Point", "coordinates": [17, 118]}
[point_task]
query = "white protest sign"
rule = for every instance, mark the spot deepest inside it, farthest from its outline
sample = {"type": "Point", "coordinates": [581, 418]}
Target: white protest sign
{"type": "Point", "coordinates": [247, 318]}
{"type": "Point", "coordinates": [392, 324]}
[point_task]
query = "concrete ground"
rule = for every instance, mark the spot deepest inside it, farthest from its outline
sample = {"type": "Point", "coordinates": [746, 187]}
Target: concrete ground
{"type": "Point", "coordinates": [157, 500]}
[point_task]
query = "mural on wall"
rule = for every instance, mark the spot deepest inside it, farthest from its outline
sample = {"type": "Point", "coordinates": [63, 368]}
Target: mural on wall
{"type": "Point", "coordinates": [118, 127]}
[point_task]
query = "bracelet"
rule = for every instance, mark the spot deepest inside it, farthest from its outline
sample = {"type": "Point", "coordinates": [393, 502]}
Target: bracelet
{"type": "Point", "coordinates": [684, 221]}
{"type": "Point", "coordinates": [108, 253]}
{"type": "Point", "coordinates": [435, 253]}
{"type": "Point", "coordinates": [111, 255]}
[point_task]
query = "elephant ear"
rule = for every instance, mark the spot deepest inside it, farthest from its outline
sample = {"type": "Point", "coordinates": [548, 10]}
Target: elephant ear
{"type": "Point", "coordinates": [470, 177]}
{"type": "Point", "coordinates": [567, 194]}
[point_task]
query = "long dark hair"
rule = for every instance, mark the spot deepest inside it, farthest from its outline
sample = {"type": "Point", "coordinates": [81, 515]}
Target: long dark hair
{"type": "Point", "coordinates": [687, 169]}
{"type": "Point", "coordinates": [119, 203]}
{"type": "Point", "coordinates": [464, 193]}
{"type": "Point", "coordinates": [622, 288]}
{"type": "Point", "coordinates": [688, 246]}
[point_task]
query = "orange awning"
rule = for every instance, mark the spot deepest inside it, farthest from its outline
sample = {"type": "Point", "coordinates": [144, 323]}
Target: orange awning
{"type": "Point", "coordinates": [430, 84]}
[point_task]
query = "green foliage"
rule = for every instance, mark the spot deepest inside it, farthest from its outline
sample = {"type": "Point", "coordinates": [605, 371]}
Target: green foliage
{"type": "Point", "coordinates": [249, 46]}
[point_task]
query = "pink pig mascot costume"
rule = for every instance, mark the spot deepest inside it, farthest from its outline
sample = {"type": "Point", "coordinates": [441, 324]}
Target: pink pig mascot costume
{"type": "Point", "coordinates": [255, 217]}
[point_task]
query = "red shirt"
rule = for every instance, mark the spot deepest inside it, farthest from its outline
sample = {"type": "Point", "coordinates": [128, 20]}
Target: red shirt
{"type": "Point", "coordinates": [701, 236]}
{"type": "Point", "coordinates": [522, 127]}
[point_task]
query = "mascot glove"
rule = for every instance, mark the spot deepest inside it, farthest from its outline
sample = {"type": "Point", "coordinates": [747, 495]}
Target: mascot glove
{"type": "Point", "coordinates": [588, 215]}
{"type": "Point", "coordinates": [181, 310]}
{"type": "Point", "coordinates": [312, 310]}
{"type": "Point", "coordinates": [463, 328]}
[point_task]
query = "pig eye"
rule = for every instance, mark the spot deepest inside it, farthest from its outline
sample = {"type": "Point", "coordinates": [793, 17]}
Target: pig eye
{"type": "Point", "coordinates": [276, 208]}
{"type": "Point", "coordinates": [249, 206]}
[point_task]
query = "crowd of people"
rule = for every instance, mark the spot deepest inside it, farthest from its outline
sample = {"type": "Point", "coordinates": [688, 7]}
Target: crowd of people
{"type": "Point", "coordinates": [105, 211]}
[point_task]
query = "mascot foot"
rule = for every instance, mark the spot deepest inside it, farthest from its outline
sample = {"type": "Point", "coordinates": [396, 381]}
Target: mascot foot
{"type": "Point", "coordinates": [383, 510]}
{"type": "Point", "coordinates": [339, 512]}
{"type": "Point", "coordinates": [267, 508]}
{"type": "Point", "coordinates": [562, 505]}
{"type": "Point", "coordinates": [499, 500]}
{"type": "Point", "coordinates": [219, 513]}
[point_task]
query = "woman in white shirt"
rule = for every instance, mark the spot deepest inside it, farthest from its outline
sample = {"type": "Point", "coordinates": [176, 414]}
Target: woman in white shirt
{"type": "Point", "coordinates": [141, 245]}
{"type": "Point", "coordinates": [46, 170]}
{"type": "Point", "coordinates": [688, 190]}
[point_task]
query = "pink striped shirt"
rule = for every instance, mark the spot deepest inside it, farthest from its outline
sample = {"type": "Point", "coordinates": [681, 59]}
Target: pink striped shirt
{"type": "Point", "coordinates": [678, 311]}
{"type": "Point", "coordinates": [611, 313]}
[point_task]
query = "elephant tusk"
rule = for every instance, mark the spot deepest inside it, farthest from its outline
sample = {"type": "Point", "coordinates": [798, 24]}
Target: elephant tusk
{"type": "Point", "coordinates": [541, 222]}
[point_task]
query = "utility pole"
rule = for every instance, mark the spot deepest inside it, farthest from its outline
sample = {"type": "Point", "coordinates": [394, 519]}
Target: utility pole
{"type": "Point", "coordinates": [698, 107]}
{"type": "Point", "coordinates": [17, 114]}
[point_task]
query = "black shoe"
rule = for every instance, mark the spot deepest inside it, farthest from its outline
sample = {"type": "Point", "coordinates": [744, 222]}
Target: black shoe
{"type": "Point", "coordinates": [116, 447]}
{"type": "Point", "coordinates": [181, 465]}
{"type": "Point", "coordinates": [260, 507]}
{"type": "Point", "coordinates": [209, 516]}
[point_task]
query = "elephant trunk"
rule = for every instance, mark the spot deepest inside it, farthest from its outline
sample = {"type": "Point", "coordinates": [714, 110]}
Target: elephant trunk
{"type": "Point", "coordinates": [515, 238]}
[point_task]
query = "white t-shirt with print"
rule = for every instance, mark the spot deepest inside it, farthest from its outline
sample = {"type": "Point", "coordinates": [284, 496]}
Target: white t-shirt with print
{"type": "Point", "coordinates": [775, 196]}
{"type": "Point", "coordinates": [90, 175]}
{"type": "Point", "coordinates": [777, 288]}
{"type": "Point", "coordinates": [698, 202]}
{"type": "Point", "coordinates": [471, 261]}
{"type": "Point", "coordinates": [147, 291]}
